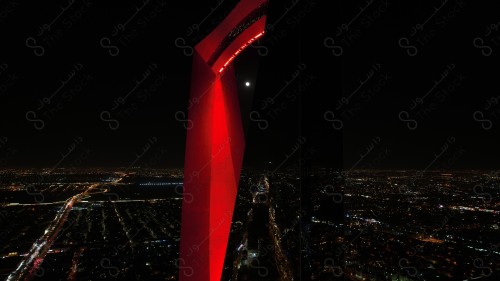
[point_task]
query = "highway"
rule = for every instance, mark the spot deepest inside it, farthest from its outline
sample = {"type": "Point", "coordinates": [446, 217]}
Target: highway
{"type": "Point", "coordinates": [281, 262]}
{"type": "Point", "coordinates": [28, 267]}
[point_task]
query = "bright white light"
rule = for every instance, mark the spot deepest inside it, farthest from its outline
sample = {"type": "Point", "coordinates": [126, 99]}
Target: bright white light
{"type": "Point", "coordinates": [247, 84]}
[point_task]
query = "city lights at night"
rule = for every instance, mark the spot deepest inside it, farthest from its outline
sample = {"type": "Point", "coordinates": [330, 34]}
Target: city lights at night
{"type": "Point", "coordinates": [249, 140]}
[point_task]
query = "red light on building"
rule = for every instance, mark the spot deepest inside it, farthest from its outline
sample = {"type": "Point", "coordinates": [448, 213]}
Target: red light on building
{"type": "Point", "coordinates": [240, 50]}
{"type": "Point", "coordinates": [215, 143]}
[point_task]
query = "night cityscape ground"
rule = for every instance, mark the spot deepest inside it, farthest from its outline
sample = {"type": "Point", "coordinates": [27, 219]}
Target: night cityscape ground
{"type": "Point", "coordinates": [103, 224]}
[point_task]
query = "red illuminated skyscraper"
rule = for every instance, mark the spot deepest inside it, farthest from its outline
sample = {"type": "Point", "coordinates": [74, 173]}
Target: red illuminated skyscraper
{"type": "Point", "coordinates": [215, 143]}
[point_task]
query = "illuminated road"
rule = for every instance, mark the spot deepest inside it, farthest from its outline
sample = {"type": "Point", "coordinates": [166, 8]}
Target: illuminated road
{"type": "Point", "coordinates": [34, 257]}
{"type": "Point", "coordinates": [282, 262]}
{"type": "Point", "coordinates": [283, 267]}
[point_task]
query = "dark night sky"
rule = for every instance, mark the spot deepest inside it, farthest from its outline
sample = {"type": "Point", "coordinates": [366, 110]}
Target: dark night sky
{"type": "Point", "coordinates": [300, 42]}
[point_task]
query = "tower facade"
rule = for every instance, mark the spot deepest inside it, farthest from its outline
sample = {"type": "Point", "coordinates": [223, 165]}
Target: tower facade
{"type": "Point", "coordinates": [215, 143]}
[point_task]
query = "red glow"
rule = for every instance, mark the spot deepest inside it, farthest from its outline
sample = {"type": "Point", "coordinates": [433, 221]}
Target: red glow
{"type": "Point", "coordinates": [248, 43]}
{"type": "Point", "coordinates": [223, 184]}
{"type": "Point", "coordinates": [210, 43]}
{"type": "Point", "coordinates": [214, 148]}
{"type": "Point", "coordinates": [214, 154]}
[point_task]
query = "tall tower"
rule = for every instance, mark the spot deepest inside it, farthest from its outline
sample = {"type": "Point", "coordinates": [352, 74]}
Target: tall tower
{"type": "Point", "coordinates": [215, 143]}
